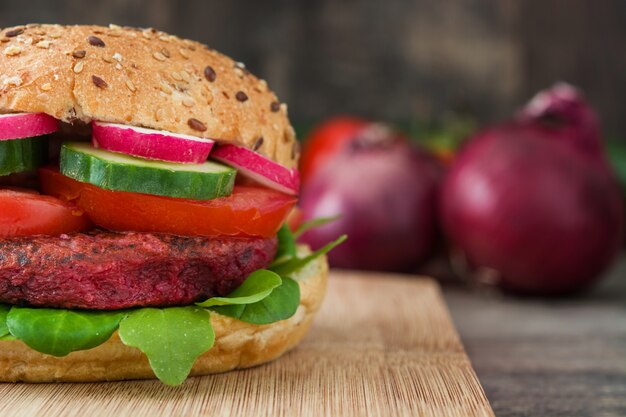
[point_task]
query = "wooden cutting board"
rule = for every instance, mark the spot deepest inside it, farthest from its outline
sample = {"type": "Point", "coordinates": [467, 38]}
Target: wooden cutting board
{"type": "Point", "coordinates": [382, 345]}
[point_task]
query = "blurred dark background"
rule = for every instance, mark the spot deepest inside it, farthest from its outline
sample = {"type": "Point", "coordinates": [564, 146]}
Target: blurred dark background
{"type": "Point", "coordinates": [405, 61]}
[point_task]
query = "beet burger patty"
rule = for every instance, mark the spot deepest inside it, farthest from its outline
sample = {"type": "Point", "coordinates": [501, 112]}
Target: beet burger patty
{"type": "Point", "coordinates": [108, 271]}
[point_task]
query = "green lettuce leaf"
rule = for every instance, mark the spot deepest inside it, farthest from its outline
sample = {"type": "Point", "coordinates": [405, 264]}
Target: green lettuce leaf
{"type": "Point", "coordinates": [256, 287]}
{"type": "Point", "coordinates": [311, 224]}
{"type": "Point", "coordinates": [172, 338]}
{"type": "Point", "coordinates": [286, 245]}
{"type": "Point", "coordinates": [295, 264]}
{"type": "Point", "coordinates": [4, 310]}
{"type": "Point", "coordinates": [59, 332]}
{"type": "Point", "coordinates": [281, 304]}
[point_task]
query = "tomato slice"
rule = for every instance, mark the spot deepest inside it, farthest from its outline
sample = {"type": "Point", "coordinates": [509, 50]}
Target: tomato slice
{"type": "Point", "coordinates": [26, 213]}
{"type": "Point", "coordinates": [248, 211]}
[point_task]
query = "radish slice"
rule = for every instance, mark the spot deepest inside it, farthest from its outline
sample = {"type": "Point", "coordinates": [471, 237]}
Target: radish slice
{"type": "Point", "coordinates": [259, 168]}
{"type": "Point", "coordinates": [26, 125]}
{"type": "Point", "coordinates": [150, 143]}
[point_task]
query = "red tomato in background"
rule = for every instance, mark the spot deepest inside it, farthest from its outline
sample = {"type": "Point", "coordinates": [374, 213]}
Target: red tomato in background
{"type": "Point", "coordinates": [248, 211]}
{"type": "Point", "coordinates": [26, 213]}
{"type": "Point", "coordinates": [326, 140]}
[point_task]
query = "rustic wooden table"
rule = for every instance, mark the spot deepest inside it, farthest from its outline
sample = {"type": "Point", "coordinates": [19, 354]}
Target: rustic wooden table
{"type": "Point", "coordinates": [546, 357]}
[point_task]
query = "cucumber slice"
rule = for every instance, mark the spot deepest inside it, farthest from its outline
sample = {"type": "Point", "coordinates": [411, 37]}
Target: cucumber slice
{"type": "Point", "coordinates": [119, 172]}
{"type": "Point", "coordinates": [19, 155]}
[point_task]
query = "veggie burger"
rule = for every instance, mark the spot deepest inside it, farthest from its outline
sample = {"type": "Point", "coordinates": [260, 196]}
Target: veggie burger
{"type": "Point", "coordinates": [146, 180]}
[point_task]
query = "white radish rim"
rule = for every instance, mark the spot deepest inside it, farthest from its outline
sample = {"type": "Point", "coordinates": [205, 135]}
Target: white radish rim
{"type": "Point", "coordinates": [148, 131]}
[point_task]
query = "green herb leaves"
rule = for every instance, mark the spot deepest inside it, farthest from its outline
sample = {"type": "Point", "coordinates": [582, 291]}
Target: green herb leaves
{"type": "Point", "coordinates": [263, 298]}
{"type": "Point", "coordinates": [4, 310]}
{"type": "Point", "coordinates": [256, 287]}
{"type": "Point", "coordinates": [294, 264]}
{"type": "Point", "coordinates": [280, 304]}
{"type": "Point", "coordinates": [59, 332]}
{"type": "Point", "coordinates": [172, 338]}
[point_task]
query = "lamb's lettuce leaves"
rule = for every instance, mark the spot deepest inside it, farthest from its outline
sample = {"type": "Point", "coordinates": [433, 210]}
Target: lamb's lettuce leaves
{"type": "Point", "coordinates": [172, 338]}
{"type": "Point", "coordinates": [58, 332]}
{"type": "Point", "coordinates": [286, 245]}
{"type": "Point", "coordinates": [4, 310]}
{"type": "Point", "coordinates": [280, 304]}
{"type": "Point", "coordinates": [312, 224]}
{"type": "Point", "coordinates": [256, 287]}
{"type": "Point", "coordinates": [295, 264]}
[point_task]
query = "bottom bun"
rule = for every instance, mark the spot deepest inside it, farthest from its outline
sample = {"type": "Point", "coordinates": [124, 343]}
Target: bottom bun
{"type": "Point", "coordinates": [237, 345]}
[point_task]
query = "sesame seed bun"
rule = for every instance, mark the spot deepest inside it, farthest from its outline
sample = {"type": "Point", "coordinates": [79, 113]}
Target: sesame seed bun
{"type": "Point", "coordinates": [238, 345]}
{"type": "Point", "coordinates": [143, 78]}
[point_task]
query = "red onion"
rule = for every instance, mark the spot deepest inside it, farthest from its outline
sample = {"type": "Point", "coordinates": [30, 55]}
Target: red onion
{"type": "Point", "coordinates": [533, 201]}
{"type": "Point", "coordinates": [385, 192]}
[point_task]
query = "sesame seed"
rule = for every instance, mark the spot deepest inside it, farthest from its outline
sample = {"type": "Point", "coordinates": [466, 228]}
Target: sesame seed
{"type": "Point", "coordinates": [146, 34]}
{"type": "Point", "coordinates": [177, 76]}
{"type": "Point", "coordinates": [117, 56]}
{"type": "Point", "coordinates": [183, 53]}
{"type": "Point", "coordinates": [263, 84]}
{"type": "Point", "coordinates": [46, 87]}
{"type": "Point", "coordinates": [15, 81]}
{"type": "Point", "coordinates": [95, 41]}
{"type": "Point", "coordinates": [275, 106]}
{"type": "Point", "coordinates": [258, 144]}
{"type": "Point", "coordinates": [114, 26]}
{"type": "Point", "coordinates": [185, 75]}
{"type": "Point", "coordinates": [196, 124]}
{"type": "Point", "coordinates": [188, 102]}
{"type": "Point", "coordinates": [164, 38]}
{"type": "Point", "coordinates": [209, 74]}
{"type": "Point", "coordinates": [118, 66]}
{"type": "Point", "coordinates": [283, 107]}
{"type": "Point", "coordinates": [241, 96]}
{"type": "Point", "coordinates": [158, 56]}
{"type": "Point", "coordinates": [166, 89]}
{"type": "Point", "coordinates": [78, 68]}
{"type": "Point", "coordinates": [43, 44]}
{"type": "Point", "coordinates": [12, 50]}
{"type": "Point", "coordinates": [14, 32]}
{"type": "Point", "coordinates": [99, 82]}
{"type": "Point", "coordinates": [39, 32]}
{"type": "Point", "coordinates": [239, 72]}
{"type": "Point", "coordinates": [165, 53]}
{"type": "Point", "coordinates": [55, 35]}
{"type": "Point", "coordinates": [107, 59]}
{"type": "Point", "coordinates": [79, 54]}
{"type": "Point", "coordinates": [131, 86]}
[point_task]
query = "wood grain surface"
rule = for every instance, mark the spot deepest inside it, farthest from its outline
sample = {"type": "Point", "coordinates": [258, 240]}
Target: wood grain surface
{"type": "Point", "coordinates": [381, 346]}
